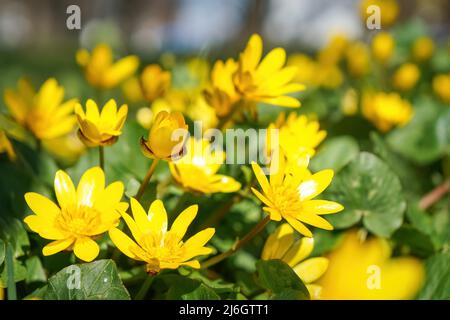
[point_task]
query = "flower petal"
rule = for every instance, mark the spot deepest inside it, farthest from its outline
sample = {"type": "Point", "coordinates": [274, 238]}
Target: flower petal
{"type": "Point", "coordinates": [126, 245]}
{"type": "Point", "coordinates": [91, 186]}
{"type": "Point", "coordinates": [157, 216]}
{"type": "Point", "coordinates": [312, 269]}
{"type": "Point", "coordinates": [182, 222]}
{"type": "Point", "coordinates": [57, 246]}
{"type": "Point", "coordinates": [65, 190]}
{"type": "Point", "coordinates": [86, 249]}
{"type": "Point", "coordinates": [314, 186]}
{"type": "Point", "coordinates": [42, 206]}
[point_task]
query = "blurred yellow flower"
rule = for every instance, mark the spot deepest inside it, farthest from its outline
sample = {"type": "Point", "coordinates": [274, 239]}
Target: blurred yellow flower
{"type": "Point", "coordinates": [282, 245]}
{"type": "Point", "coordinates": [386, 110]}
{"type": "Point", "coordinates": [132, 90]}
{"type": "Point", "coordinates": [389, 10]}
{"type": "Point", "coordinates": [155, 82]}
{"type": "Point", "coordinates": [349, 102]}
{"type": "Point", "coordinates": [365, 270]}
{"type": "Point", "coordinates": [268, 80]}
{"type": "Point", "coordinates": [6, 146]}
{"type": "Point", "coordinates": [383, 46]}
{"type": "Point", "coordinates": [197, 170]}
{"type": "Point", "coordinates": [101, 71]}
{"type": "Point", "coordinates": [43, 113]}
{"type": "Point", "coordinates": [406, 77]}
{"type": "Point", "coordinates": [222, 95]}
{"type": "Point", "coordinates": [306, 68]}
{"type": "Point", "coordinates": [441, 87]}
{"type": "Point", "coordinates": [334, 50]}
{"type": "Point", "coordinates": [82, 215]}
{"type": "Point", "coordinates": [66, 149]}
{"type": "Point", "coordinates": [2, 294]}
{"type": "Point", "coordinates": [358, 59]}
{"type": "Point", "coordinates": [289, 195]}
{"type": "Point", "coordinates": [166, 136]}
{"type": "Point", "coordinates": [144, 116]}
{"type": "Point", "coordinates": [100, 129]}
{"type": "Point", "coordinates": [199, 110]}
{"type": "Point", "coordinates": [158, 247]}
{"type": "Point", "coordinates": [423, 48]}
{"type": "Point", "coordinates": [297, 136]}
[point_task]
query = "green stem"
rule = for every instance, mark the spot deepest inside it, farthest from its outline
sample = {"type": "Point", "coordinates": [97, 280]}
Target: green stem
{"type": "Point", "coordinates": [144, 288]}
{"type": "Point", "coordinates": [146, 180]}
{"type": "Point", "coordinates": [249, 236]}
{"type": "Point", "coordinates": [101, 157]}
{"type": "Point", "coordinates": [12, 293]}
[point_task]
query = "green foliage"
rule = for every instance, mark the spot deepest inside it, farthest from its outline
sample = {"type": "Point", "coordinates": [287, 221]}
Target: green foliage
{"type": "Point", "coordinates": [437, 285]}
{"type": "Point", "coordinates": [370, 192]}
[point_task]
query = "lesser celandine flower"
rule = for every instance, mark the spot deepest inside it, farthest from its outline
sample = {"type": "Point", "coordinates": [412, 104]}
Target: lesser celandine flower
{"type": "Point", "coordinates": [6, 146]}
{"type": "Point", "coordinates": [166, 136]}
{"type": "Point", "coordinates": [101, 71]}
{"type": "Point", "coordinates": [297, 135]}
{"type": "Point", "coordinates": [155, 82]}
{"type": "Point", "coordinates": [441, 85]}
{"type": "Point", "coordinates": [406, 77]}
{"type": "Point", "coordinates": [266, 80]}
{"type": "Point", "coordinates": [334, 50]}
{"type": "Point", "coordinates": [363, 269]}
{"type": "Point", "coordinates": [197, 170]}
{"type": "Point", "coordinates": [289, 195]}
{"type": "Point", "coordinates": [423, 48]}
{"type": "Point", "coordinates": [383, 46]}
{"type": "Point", "coordinates": [283, 245]}
{"type": "Point", "coordinates": [386, 110]}
{"type": "Point", "coordinates": [389, 10]}
{"type": "Point", "coordinates": [82, 214]}
{"type": "Point", "coordinates": [157, 246]}
{"type": "Point", "coordinates": [100, 128]}
{"type": "Point", "coordinates": [43, 113]}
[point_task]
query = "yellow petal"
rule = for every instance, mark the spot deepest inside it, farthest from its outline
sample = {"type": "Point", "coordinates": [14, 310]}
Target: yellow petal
{"type": "Point", "coordinates": [283, 101]}
{"type": "Point", "coordinates": [92, 113]}
{"type": "Point", "coordinates": [278, 242]}
{"type": "Point", "coordinates": [136, 231]}
{"type": "Point", "coordinates": [321, 207]}
{"type": "Point", "coordinates": [41, 205]}
{"type": "Point", "coordinates": [16, 105]}
{"type": "Point", "coordinates": [126, 245]}
{"type": "Point", "coordinates": [44, 227]}
{"type": "Point", "coordinates": [261, 197]}
{"type": "Point", "coordinates": [57, 246]}
{"type": "Point", "coordinates": [157, 216]}
{"type": "Point", "coordinates": [140, 217]}
{"type": "Point", "coordinates": [86, 249]}
{"type": "Point", "coordinates": [65, 190]}
{"type": "Point", "coordinates": [251, 55]}
{"type": "Point", "coordinates": [315, 291]}
{"type": "Point", "coordinates": [300, 227]}
{"type": "Point", "coordinates": [312, 269]}
{"type": "Point", "coordinates": [91, 186]}
{"type": "Point", "coordinates": [199, 239]}
{"type": "Point", "coordinates": [272, 62]}
{"type": "Point", "coordinates": [108, 114]}
{"type": "Point", "coordinates": [299, 251]}
{"type": "Point", "coordinates": [120, 71]}
{"type": "Point", "coordinates": [261, 177]}
{"type": "Point", "coordinates": [182, 222]}
{"type": "Point", "coordinates": [314, 186]}
{"type": "Point", "coordinates": [314, 220]}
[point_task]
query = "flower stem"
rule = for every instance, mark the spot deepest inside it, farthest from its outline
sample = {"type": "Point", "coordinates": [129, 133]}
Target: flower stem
{"type": "Point", "coordinates": [145, 286]}
{"type": "Point", "coordinates": [249, 236]}
{"type": "Point", "coordinates": [9, 263]}
{"type": "Point", "coordinates": [101, 157]}
{"type": "Point", "coordinates": [434, 195]}
{"type": "Point", "coordinates": [146, 180]}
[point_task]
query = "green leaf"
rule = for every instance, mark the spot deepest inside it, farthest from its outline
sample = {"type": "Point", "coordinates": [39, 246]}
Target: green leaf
{"type": "Point", "coordinates": [417, 242]}
{"type": "Point", "coordinates": [202, 292]}
{"type": "Point", "coordinates": [2, 251]}
{"type": "Point", "coordinates": [20, 273]}
{"type": "Point", "coordinates": [97, 280]}
{"type": "Point", "coordinates": [35, 270]}
{"type": "Point", "coordinates": [183, 288]}
{"type": "Point", "coordinates": [437, 282]}
{"type": "Point", "coordinates": [371, 192]}
{"type": "Point", "coordinates": [335, 153]}
{"type": "Point", "coordinates": [279, 278]}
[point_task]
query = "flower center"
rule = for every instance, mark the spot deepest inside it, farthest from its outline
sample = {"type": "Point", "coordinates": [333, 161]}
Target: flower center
{"type": "Point", "coordinates": [286, 199]}
{"type": "Point", "coordinates": [79, 221]}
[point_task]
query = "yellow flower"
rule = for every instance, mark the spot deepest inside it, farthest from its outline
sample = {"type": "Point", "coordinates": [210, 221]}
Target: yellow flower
{"type": "Point", "coordinates": [406, 76]}
{"type": "Point", "coordinates": [383, 46]}
{"type": "Point", "coordinates": [100, 70]}
{"type": "Point", "coordinates": [100, 129]}
{"type": "Point", "coordinates": [290, 196]}
{"type": "Point", "coordinates": [199, 110]}
{"type": "Point", "coordinates": [358, 59]}
{"type": "Point", "coordinates": [158, 247]}
{"type": "Point", "coordinates": [297, 136]}
{"type": "Point", "coordinates": [441, 85]}
{"type": "Point", "coordinates": [386, 110]}
{"type": "Point", "coordinates": [197, 170]}
{"type": "Point", "coordinates": [364, 270]}
{"type": "Point", "coordinates": [67, 149]}
{"type": "Point", "coordinates": [349, 102]}
{"type": "Point", "coordinates": [423, 48]}
{"type": "Point", "coordinates": [132, 90]}
{"type": "Point", "coordinates": [333, 52]}
{"type": "Point", "coordinates": [221, 95]}
{"type": "Point", "coordinates": [267, 80]}
{"type": "Point", "coordinates": [155, 82]}
{"type": "Point", "coordinates": [166, 136]}
{"type": "Point", "coordinates": [282, 245]}
{"type": "Point", "coordinates": [6, 146]}
{"type": "Point", "coordinates": [80, 216]}
{"type": "Point", "coordinates": [43, 113]}
{"type": "Point", "coordinates": [389, 10]}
